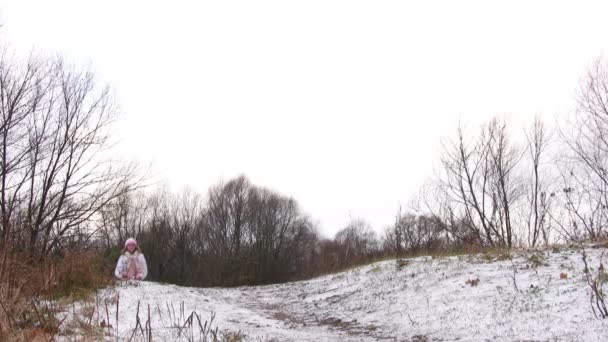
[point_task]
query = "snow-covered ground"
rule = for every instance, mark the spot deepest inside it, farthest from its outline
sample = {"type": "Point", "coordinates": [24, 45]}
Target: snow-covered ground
{"type": "Point", "coordinates": [418, 299]}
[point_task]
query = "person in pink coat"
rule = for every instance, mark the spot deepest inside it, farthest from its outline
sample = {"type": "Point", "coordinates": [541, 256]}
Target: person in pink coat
{"type": "Point", "coordinates": [131, 265]}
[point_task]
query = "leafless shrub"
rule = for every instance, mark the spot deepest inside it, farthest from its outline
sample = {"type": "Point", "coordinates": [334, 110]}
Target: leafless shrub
{"type": "Point", "coordinates": [596, 285]}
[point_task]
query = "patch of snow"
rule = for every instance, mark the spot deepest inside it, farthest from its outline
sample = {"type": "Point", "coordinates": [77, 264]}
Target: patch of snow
{"type": "Point", "coordinates": [423, 299]}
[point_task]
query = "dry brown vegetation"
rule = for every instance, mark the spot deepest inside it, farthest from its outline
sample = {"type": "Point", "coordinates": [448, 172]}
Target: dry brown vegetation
{"type": "Point", "coordinates": [30, 291]}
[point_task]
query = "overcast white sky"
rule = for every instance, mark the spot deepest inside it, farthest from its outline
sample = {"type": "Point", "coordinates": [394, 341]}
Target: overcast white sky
{"type": "Point", "coordinates": [340, 104]}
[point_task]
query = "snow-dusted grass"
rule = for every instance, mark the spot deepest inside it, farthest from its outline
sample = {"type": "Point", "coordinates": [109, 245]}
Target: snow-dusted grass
{"type": "Point", "coordinates": [540, 296]}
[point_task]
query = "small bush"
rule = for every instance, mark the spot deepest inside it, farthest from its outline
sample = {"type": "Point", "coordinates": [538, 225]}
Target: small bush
{"type": "Point", "coordinates": [536, 260]}
{"type": "Point", "coordinates": [400, 264]}
{"type": "Point", "coordinates": [487, 257]}
{"type": "Point", "coordinates": [534, 289]}
{"type": "Point", "coordinates": [233, 337]}
{"type": "Point", "coordinates": [472, 282]}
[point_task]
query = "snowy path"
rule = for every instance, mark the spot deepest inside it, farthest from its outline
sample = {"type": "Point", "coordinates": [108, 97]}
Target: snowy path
{"type": "Point", "coordinates": [423, 299]}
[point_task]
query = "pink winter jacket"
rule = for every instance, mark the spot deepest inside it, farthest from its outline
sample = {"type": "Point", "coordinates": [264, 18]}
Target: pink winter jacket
{"type": "Point", "coordinates": [132, 266]}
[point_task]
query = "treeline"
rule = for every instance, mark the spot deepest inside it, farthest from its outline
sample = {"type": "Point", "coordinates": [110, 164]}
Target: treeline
{"type": "Point", "coordinates": [237, 234]}
{"type": "Point", "coordinates": [59, 191]}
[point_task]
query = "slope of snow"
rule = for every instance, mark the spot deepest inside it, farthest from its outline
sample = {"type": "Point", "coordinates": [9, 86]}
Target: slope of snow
{"type": "Point", "coordinates": [418, 299]}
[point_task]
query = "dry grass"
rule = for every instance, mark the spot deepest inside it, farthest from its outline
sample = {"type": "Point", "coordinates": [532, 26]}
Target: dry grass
{"type": "Point", "coordinates": [33, 292]}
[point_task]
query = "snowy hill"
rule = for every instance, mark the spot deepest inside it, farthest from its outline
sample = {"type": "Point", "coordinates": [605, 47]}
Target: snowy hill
{"type": "Point", "coordinates": [501, 297]}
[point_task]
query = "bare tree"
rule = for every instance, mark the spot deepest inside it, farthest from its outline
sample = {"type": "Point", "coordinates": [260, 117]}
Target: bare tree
{"type": "Point", "coordinates": [392, 241]}
{"type": "Point", "coordinates": [125, 216]}
{"type": "Point", "coordinates": [480, 185]}
{"type": "Point", "coordinates": [586, 195]}
{"type": "Point", "coordinates": [357, 241]}
{"type": "Point", "coordinates": [419, 232]}
{"type": "Point", "coordinates": [226, 217]}
{"type": "Point", "coordinates": [55, 128]}
{"type": "Point", "coordinates": [581, 213]}
{"type": "Point", "coordinates": [22, 92]}
{"type": "Point", "coordinates": [507, 187]}
{"type": "Point", "coordinates": [186, 214]}
{"type": "Point", "coordinates": [276, 225]}
{"type": "Point", "coordinates": [538, 220]}
{"type": "Point", "coordinates": [248, 234]}
{"type": "Point", "coordinates": [157, 235]}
